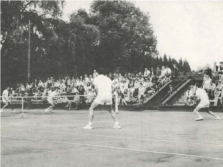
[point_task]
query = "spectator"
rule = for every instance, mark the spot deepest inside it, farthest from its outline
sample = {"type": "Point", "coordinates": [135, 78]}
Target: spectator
{"type": "Point", "coordinates": [189, 94]}
{"type": "Point", "coordinates": [170, 89]}
{"type": "Point", "coordinates": [81, 92]}
{"type": "Point", "coordinates": [158, 71]}
{"type": "Point", "coordinates": [141, 91]}
{"type": "Point", "coordinates": [215, 67]}
{"type": "Point", "coordinates": [207, 83]}
{"type": "Point", "coordinates": [212, 89]}
{"type": "Point", "coordinates": [208, 72]}
{"type": "Point", "coordinates": [95, 73]}
{"type": "Point", "coordinates": [146, 73]}
{"type": "Point", "coordinates": [163, 72]}
{"type": "Point", "coordinates": [168, 71]}
{"type": "Point", "coordinates": [175, 71]}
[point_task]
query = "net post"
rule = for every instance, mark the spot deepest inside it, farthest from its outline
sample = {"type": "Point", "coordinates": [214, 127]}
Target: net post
{"type": "Point", "coordinates": [22, 107]}
{"type": "Point", "coordinates": [116, 103]}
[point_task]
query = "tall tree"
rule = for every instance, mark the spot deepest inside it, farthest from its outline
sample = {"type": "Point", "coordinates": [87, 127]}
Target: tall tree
{"type": "Point", "coordinates": [126, 35]}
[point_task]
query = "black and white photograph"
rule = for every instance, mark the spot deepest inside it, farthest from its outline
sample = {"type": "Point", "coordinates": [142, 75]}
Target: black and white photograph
{"type": "Point", "coordinates": [111, 83]}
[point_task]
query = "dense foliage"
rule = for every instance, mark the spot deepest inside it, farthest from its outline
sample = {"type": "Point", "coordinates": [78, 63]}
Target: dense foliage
{"type": "Point", "coordinates": [115, 35]}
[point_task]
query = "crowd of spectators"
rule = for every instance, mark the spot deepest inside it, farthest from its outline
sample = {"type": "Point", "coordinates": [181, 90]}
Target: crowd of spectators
{"type": "Point", "coordinates": [130, 87]}
{"type": "Point", "coordinates": [212, 84]}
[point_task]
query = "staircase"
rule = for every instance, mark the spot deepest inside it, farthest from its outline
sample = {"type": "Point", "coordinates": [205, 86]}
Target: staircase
{"type": "Point", "coordinates": [154, 101]}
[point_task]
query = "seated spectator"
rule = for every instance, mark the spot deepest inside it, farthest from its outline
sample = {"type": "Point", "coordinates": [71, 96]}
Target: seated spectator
{"type": "Point", "coordinates": [40, 84]}
{"type": "Point", "coordinates": [22, 90]}
{"type": "Point", "coordinates": [141, 91]}
{"type": "Point", "coordinates": [126, 94]}
{"type": "Point", "coordinates": [212, 90]}
{"type": "Point", "coordinates": [95, 73]}
{"type": "Point", "coordinates": [168, 71]}
{"type": "Point", "coordinates": [158, 72]}
{"type": "Point", "coordinates": [81, 93]}
{"type": "Point", "coordinates": [86, 79]}
{"type": "Point", "coordinates": [163, 72]}
{"type": "Point", "coordinates": [189, 94]}
{"type": "Point", "coordinates": [91, 79]}
{"type": "Point", "coordinates": [146, 73]}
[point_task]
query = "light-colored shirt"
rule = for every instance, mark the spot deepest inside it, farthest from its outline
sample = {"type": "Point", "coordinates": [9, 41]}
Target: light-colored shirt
{"type": "Point", "coordinates": [104, 84]}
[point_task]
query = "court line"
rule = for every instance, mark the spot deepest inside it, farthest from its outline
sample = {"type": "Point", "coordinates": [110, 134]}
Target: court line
{"type": "Point", "coordinates": [118, 137]}
{"type": "Point", "coordinates": [115, 148]}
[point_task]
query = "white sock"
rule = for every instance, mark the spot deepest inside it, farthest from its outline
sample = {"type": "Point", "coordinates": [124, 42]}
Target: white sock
{"type": "Point", "coordinates": [90, 123]}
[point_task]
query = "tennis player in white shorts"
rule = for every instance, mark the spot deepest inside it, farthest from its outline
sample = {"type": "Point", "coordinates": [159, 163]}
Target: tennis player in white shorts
{"type": "Point", "coordinates": [50, 100]}
{"type": "Point", "coordinates": [103, 87]}
{"type": "Point", "coordinates": [204, 103]}
{"type": "Point", "coordinates": [6, 100]}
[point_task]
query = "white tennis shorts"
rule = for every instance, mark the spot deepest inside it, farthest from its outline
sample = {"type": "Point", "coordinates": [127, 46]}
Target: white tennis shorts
{"type": "Point", "coordinates": [105, 98]}
{"type": "Point", "coordinates": [202, 104]}
{"type": "Point", "coordinates": [50, 101]}
{"type": "Point", "coordinates": [4, 101]}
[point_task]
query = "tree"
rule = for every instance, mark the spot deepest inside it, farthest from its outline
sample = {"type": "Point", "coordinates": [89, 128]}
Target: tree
{"type": "Point", "coordinates": [180, 64]}
{"type": "Point", "coordinates": [127, 38]}
{"type": "Point", "coordinates": [165, 61]}
{"type": "Point", "coordinates": [15, 17]}
{"type": "Point", "coordinates": [186, 66]}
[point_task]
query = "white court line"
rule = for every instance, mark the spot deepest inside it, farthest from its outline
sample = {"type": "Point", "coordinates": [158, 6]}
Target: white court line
{"type": "Point", "coordinates": [116, 148]}
{"type": "Point", "coordinates": [127, 138]}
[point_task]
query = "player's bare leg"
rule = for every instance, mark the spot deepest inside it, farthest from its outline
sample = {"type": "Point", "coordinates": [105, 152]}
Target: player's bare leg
{"type": "Point", "coordinates": [200, 118]}
{"type": "Point", "coordinates": [91, 116]}
{"type": "Point", "coordinates": [4, 107]}
{"type": "Point", "coordinates": [117, 124]}
{"type": "Point", "coordinates": [68, 105]}
{"type": "Point", "coordinates": [49, 108]}
{"type": "Point", "coordinates": [213, 114]}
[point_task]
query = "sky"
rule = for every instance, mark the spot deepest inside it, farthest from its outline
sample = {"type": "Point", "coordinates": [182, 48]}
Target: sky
{"type": "Point", "coordinates": [191, 30]}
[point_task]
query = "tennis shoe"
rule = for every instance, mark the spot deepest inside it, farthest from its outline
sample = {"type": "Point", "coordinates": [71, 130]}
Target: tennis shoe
{"type": "Point", "coordinates": [199, 119]}
{"type": "Point", "coordinates": [88, 127]}
{"type": "Point", "coordinates": [217, 118]}
{"type": "Point", "coordinates": [117, 125]}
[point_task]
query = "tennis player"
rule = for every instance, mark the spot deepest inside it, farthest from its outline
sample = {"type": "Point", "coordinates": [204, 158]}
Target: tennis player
{"type": "Point", "coordinates": [204, 103]}
{"type": "Point", "coordinates": [5, 99]}
{"type": "Point", "coordinates": [103, 88]}
{"type": "Point", "coordinates": [50, 100]}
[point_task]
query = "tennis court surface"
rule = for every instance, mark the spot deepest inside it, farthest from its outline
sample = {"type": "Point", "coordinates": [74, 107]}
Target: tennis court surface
{"type": "Point", "coordinates": [148, 138]}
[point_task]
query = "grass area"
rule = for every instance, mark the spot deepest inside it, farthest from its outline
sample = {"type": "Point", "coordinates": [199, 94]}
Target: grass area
{"type": "Point", "coordinates": [148, 138]}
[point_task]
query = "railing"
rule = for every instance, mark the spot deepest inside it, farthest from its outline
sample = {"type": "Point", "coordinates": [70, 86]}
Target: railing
{"type": "Point", "coordinates": [175, 92]}
{"type": "Point", "coordinates": [175, 88]}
